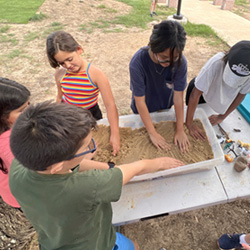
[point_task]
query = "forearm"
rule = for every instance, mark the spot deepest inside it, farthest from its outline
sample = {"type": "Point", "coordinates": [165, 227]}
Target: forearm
{"type": "Point", "coordinates": [237, 101]}
{"type": "Point", "coordinates": [192, 105]}
{"type": "Point", "coordinates": [145, 116]}
{"type": "Point", "coordinates": [137, 168]}
{"type": "Point", "coordinates": [147, 166]}
{"type": "Point", "coordinates": [59, 99]}
{"type": "Point", "coordinates": [179, 111]}
{"type": "Point", "coordinates": [113, 118]}
{"type": "Point", "coordinates": [90, 164]}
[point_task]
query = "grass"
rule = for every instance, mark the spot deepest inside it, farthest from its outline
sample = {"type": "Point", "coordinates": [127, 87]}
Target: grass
{"type": "Point", "coordinates": [55, 26]}
{"type": "Point", "coordinates": [202, 30]}
{"type": "Point", "coordinates": [139, 15]}
{"type": "Point", "coordinates": [18, 11]}
{"type": "Point", "coordinates": [14, 53]}
{"type": "Point", "coordinates": [242, 2]}
{"type": "Point", "coordinates": [4, 29]}
{"type": "Point", "coordinates": [38, 17]}
{"type": "Point", "coordinates": [31, 36]}
{"type": "Point", "coordinates": [8, 39]}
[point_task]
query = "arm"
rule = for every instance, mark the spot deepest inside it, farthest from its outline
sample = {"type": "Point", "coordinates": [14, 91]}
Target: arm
{"type": "Point", "coordinates": [245, 246]}
{"type": "Point", "coordinates": [156, 138]}
{"type": "Point", "coordinates": [180, 137]}
{"type": "Point", "coordinates": [147, 166]}
{"type": "Point", "coordinates": [135, 168]}
{"type": "Point", "coordinates": [58, 75]}
{"type": "Point", "coordinates": [87, 164]}
{"type": "Point", "coordinates": [194, 131]}
{"type": "Point", "coordinates": [216, 119]}
{"type": "Point", "coordinates": [101, 80]}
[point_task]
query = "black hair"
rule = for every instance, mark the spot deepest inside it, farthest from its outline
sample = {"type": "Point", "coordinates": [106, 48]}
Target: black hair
{"type": "Point", "coordinates": [59, 41]}
{"type": "Point", "coordinates": [48, 133]}
{"type": "Point", "coordinates": [168, 34]}
{"type": "Point", "coordinates": [225, 57]}
{"type": "Point", "coordinates": [12, 96]}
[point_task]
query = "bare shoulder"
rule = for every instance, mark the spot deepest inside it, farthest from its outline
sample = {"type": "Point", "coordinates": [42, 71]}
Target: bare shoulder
{"type": "Point", "coordinates": [59, 73]}
{"type": "Point", "coordinates": [95, 73]}
{"type": "Point", "coordinates": [93, 69]}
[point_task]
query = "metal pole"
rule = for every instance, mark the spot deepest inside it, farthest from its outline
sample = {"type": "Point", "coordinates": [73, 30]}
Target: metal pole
{"type": "Point", "coordinates": [178, 15]}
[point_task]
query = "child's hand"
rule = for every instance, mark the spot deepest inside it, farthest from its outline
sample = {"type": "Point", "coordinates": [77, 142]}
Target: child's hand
{"type": "Point", "coordinates": [196, 132]}
{"type": "Point", "coordinates": [169, 162]}
{"type": "Point", "coordinates": [245, 246]}
{"type": "Point", "coordinates": [216, 119]}
{"type": "Point", "coordinates": [115, 143]}
{"type": "Point", "coordinates": [182, 141]}
{"type": "Point", "coordinates": [159, 141]}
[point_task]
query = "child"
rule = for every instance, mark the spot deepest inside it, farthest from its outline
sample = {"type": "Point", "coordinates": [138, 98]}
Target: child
{"type": "Point", "coordinates": [222, 83]}
{"type": "Point", "coordinates": [158, 78]}
{"type": "Point", "coordinates": [14, 98]}
{"type": "Point", "coordinates": [153, 7]}
{"type": "Point", "coordinates": [70, 209]}
{"type": "Point", "coordinates": [79, 82]}
{"type": "Point", "coordinates": [234, 241]}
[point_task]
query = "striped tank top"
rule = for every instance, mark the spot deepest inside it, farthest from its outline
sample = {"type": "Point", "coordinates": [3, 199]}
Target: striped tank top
{"type": "Point", "coordinates": [78, 89]}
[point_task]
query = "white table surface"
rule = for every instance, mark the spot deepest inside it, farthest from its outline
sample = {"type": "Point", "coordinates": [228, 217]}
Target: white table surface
{"type": "Point", "coordinates": [186, 192]}
{"type": "Point", "coordinates": [237, 185]}
{"type": "Point", "coordinates": [168, 195]}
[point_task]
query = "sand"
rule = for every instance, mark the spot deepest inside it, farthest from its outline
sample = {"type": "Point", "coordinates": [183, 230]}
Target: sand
{"type": "Point", "coordinates": [136, 145]}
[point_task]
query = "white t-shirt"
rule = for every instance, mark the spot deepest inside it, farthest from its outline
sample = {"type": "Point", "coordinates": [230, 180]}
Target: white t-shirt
{"type": "Point", "coordinates": [218, 95]}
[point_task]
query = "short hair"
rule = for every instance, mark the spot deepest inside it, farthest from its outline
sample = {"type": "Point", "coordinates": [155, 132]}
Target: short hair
{"type": "Point", "coordinates": [168, 34]}
{"type": "Point", "coordinates": [12, 96]}
{"type": "Point", "coordinates": [59, 41]}
{"type": "Point", "coordinates": [48, 133]}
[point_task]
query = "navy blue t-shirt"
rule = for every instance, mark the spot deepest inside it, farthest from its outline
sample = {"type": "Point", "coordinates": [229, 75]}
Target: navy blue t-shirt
{"type": "Point", "coordinates": [155, 82]}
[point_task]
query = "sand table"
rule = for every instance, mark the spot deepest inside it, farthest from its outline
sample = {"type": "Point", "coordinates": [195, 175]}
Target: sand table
{"type": "Point", "coordinates": [136, 145]}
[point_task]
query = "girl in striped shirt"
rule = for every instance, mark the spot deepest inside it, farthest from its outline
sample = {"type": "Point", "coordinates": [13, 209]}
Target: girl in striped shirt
{"type": "Point", "coordinates": [79, 82]}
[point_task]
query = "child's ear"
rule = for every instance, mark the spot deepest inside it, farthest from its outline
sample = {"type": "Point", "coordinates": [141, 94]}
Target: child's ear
{"type": "Point", "coordinates": [55, 168]}
{"type": "Point", "coordinates": [79, 50]}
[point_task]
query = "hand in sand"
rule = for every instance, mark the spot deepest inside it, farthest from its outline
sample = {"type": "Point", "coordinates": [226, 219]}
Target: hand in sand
{"type": "Point", "coordinates": [196, 132]}
{"type": "Point", "coordinates": [115, 143]}
{"type": "Point", "coordinates": [182, 141]}
{"type": "Point", "coordinates": [159, 141]}
{"type": "Point", "coordinates": [168, 163]}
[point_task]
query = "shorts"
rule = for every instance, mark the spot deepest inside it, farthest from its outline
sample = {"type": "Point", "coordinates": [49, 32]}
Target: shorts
{"type": "Point", "coordinates": [96, 112]}
{"type": "Point", "coordinates": [123, 243]}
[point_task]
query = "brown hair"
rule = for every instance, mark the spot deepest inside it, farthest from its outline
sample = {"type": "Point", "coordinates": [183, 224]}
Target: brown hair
{"type": "Point", "coordinates": [59, 41]}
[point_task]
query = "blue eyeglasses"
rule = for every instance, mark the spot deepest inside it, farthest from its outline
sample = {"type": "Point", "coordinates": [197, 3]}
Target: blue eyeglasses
{"type": "Point", "coordinates": [92, 149]}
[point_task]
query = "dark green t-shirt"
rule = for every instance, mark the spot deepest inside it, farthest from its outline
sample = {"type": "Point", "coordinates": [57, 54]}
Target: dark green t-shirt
{"type": "Point", "coordinates": [70, 211]}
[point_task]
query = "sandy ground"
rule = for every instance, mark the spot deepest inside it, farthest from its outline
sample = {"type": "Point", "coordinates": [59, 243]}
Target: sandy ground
{"type": "Point", "coordinates": [23, 58]}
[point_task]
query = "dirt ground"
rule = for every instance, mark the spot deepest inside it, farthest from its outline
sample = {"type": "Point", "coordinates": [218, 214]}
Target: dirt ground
{"type": "Point", "coordinates": [23, 59]}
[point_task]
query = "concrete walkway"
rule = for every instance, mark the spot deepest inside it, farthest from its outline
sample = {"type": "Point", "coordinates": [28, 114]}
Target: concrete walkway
{"type": "Point", "coordinates": [229, 26]}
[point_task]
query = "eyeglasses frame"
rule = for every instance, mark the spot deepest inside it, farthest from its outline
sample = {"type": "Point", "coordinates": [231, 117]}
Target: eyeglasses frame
{"type": "Point", "coordinates": [85, 152]}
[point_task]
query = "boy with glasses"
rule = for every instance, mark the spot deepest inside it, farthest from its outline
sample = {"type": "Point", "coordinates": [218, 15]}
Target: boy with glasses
{"type": "Point", "coordinates": [66, 195]}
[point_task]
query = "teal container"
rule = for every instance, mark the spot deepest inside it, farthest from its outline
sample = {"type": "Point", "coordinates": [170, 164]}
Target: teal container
{"type": "Point", "coordinates": [244, 108]}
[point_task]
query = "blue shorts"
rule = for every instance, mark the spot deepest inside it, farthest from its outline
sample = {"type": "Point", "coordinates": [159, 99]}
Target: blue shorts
{"type": "Point", "coordinates": [123, 243]}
